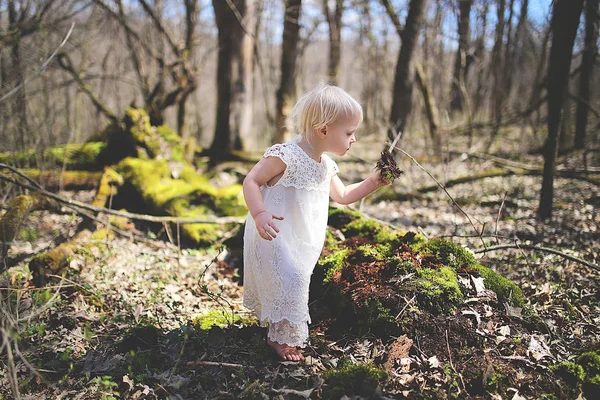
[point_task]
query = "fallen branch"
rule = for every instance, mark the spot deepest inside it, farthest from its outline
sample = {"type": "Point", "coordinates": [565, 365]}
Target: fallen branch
{"type": "Point", "coordinates": [538, 248]}
{"type": "Point", "coordinates": [214, 364]}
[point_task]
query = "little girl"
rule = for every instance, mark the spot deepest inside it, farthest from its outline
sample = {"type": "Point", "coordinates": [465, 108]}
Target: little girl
{"type": "Point", "coordinates": [287, 193]}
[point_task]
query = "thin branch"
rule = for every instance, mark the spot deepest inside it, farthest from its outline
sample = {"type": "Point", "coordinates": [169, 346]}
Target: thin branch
{"type": "Point", "coordinates": [391, 11]}
{"type": "Point", "coordinates": [445, 191]}
{"type": "Point", "coordinates": [215, 364]}
{"type": "Point", "coordinates": [42, 68]}
{"type": "Point", "coordinates": [538, 248]}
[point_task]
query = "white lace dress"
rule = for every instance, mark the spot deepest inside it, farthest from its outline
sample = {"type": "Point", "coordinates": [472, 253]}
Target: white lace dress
{"type": "Point", "coordinates": [277, 273]}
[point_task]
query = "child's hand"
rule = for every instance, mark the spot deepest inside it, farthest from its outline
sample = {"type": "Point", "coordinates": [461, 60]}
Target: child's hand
{"type": "Point", "coordinates": [381, 179]}
{"type": "Point", "coordinates": [266, 226]}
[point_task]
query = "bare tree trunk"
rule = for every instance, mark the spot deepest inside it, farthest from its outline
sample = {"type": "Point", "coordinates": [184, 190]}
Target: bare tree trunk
{"type": "Point", "coordinates": [402, 94]}
{"type": "Point", "coordinates": [241, 112]}
{"type": "Point", "coordinates": [497, 74]}
{"type": "Point", "coordinates": [335, 38]}
{"type": "Point", "coordinates": [587, 69]}
{"type": "Point", "coordinates": [20, 102]}
{"type": "Point", "coordinates": [460, 73]}
{"type": "Point", "coordinates": [430, 109]}
{"type": "Point", "coordinates": [565, 20]}
{"type": "Point", "coordinates": [286, 94]}
{"type": "Point", "coordinates": [516, 53]}
{"type": "Point", "coordinates": [479, 56]}
{"type": "Point", "coordinates": [229, 59]}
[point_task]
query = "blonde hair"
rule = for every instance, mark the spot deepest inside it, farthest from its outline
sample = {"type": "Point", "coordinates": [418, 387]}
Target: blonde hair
{"type": "Point", "coordinates": [322, 106]}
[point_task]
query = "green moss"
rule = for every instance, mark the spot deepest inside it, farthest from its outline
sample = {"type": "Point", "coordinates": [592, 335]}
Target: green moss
{"type": "Point", "coordinates": [456, 257]}
{"type": "Point", "coordinates": [363, 227]}
{"type": "Point", "coordinates": [220, 318]}
{"type": "Point", "coordinates": [506, 289]}
{"type": "Point", "coordinates": [583, 373]}
{"type": "Point", "coordinates": [332, 263]}
{"type": "Point", "coordinates": [74, 155]}
{"type": "Point", "coordinates": [351, 379]}
{"type": "Point", "coordinates": [229, 201]}
{"type": "Point", "coordinates": [340, 217]}
{"type": "Point", "coordinates": [378, 252]}
{"type": "Point", "coordinates": [77, 154]}
{"type": "Point", "coordinates": [378, 318]}
{"type": "Point", "coordinates": [448, 253]}
{"type": "Point", "coordinates": [439, 289]}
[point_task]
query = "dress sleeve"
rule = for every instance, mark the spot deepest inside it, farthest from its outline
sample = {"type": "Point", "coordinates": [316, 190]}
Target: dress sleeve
{"type": "Point", "coordinates": [333, 167]}
{"type": "Point", "coordinates": [278, 151]}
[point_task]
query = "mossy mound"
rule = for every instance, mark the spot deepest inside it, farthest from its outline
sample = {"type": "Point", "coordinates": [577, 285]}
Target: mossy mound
{"type": "Point", "coordinates": [177, 190]}
{"type": "Point", "coordinates": [583, 373]}
{"type": "Point", "coordinates": [352, 379]}
{"type": "Point", "coordinates": [376, 271]}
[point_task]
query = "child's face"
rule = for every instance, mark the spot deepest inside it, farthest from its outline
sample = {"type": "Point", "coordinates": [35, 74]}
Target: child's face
{"type": "Point", "coordinates": [341, 134]}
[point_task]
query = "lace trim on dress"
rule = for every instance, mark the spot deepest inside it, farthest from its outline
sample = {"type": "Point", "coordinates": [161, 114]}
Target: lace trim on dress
{"type": "Point", "coordinates": [286, 332]}
{"type": "Point", "coordinates": [302, 172]}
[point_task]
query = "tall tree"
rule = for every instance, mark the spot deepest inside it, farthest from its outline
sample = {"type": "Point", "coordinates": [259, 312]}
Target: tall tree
{"type": "Point", "coordinates": [228, 17]}
{"type": "Point", "coordinates": [334, 21]}
{"type": "Point", "coordinates": [243, 90]}
{"type": "Point", "coordinates": [403, 78]}
{"type": "Point", "coordinates": [497, 71]}
{"type": "Point", "coordinates": [565, 20]}
{"type": "Point", "coordinates": [460, 65]}
{"type": "Point", "coordinates": [590, 49]}
{"type": "Point", "coordinates": [286, 94]}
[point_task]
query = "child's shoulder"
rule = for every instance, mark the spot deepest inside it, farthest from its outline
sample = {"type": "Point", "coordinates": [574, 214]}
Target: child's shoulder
{"type": "Point", "coordinates": [281, 149]}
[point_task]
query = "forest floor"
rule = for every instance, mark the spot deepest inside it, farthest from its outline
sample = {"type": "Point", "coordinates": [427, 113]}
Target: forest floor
{"type": "Point", "coordinates": [129, 325]}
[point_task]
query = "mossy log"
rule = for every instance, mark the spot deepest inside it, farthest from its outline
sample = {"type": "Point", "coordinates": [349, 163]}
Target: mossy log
{"type": "Point", "coordinates": [16, 213]}
{"type": "Point", "coordinates": [158, 180]}
{"type": "Point", "coordinates": [74, 156]}
{"type": "Point", "coordinates": [369, 273]}
{"type": "Point", "coordinates": [67, 180]}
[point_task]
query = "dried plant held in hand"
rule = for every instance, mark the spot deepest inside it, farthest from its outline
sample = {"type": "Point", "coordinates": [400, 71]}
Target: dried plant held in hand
{"type": "Point", "coordinates": [388, 166]}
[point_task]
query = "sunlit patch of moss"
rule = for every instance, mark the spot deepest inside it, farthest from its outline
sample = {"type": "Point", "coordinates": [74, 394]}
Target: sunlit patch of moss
{"type": "Point", "coordinates": [220, 318]}
{"type": "Point", "coordinates": [350, 379]}
{"type": "Point", "coordinates": [363, 227]}
{"type": "Point", "coordinates": [331, 242]}
{"type": "Point", "coordinates": [457, 257]}
{"type": "Point", "coordinates": [229, 201]}
{"type": "Point", "coordinates": [378, 252]}
{"type": "Point", "coordinates": [440, 291]}
{"type": "Point", "coordinates": [174, 141]}
{"type": "Point", "coordinates": [448, 253]}
{"type": "Point", "coordinates": [333, 263]}
{"type": "Point", "coordinates": [505, 289]}
{"type": "Point", "coordinates": [77, 154]}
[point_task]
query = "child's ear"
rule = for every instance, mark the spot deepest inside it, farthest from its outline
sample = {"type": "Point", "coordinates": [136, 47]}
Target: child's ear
{"type": "Point", "coordinates": [323, 131]}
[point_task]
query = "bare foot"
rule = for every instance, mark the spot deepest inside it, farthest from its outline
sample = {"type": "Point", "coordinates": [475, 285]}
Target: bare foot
{"type": "Point", "coordinates": [287, 353]}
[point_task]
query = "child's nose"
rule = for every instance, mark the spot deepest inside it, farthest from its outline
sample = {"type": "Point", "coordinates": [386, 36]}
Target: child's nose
{"type": "Point", "coordinates": [352, 138]}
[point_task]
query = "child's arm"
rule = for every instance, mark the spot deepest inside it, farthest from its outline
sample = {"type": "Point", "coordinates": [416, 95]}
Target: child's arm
{"type": "Point", "coordinates": [265, 170]}
{"type": "Point", "coordinates": [343, 194]}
